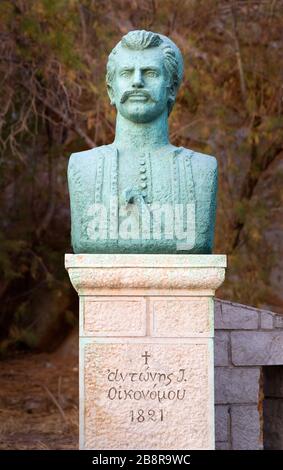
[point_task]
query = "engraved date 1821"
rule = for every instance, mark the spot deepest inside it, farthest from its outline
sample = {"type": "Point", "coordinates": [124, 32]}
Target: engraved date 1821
{"type": "Point", "coordinates": [142, 416]}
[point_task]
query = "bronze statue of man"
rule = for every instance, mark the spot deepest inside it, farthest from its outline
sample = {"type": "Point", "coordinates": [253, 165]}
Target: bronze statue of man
{"type": "Point", "coordinates": [141, 194]}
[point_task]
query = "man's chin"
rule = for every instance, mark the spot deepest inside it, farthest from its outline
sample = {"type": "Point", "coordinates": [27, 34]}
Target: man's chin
{"type": "Point", "coordinates": [139, 114]}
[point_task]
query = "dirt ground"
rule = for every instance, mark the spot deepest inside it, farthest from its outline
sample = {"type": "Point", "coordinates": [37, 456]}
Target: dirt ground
{"type": "Point", "coordinates": [39, 401]}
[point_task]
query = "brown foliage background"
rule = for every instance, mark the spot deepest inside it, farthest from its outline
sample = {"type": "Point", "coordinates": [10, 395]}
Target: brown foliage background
{"type": "Point", "coordinates": [53, 102]}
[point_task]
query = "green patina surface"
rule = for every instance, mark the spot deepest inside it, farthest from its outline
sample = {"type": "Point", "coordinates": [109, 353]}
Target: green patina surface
{"type": "Point", "coordinates": [140, 194]}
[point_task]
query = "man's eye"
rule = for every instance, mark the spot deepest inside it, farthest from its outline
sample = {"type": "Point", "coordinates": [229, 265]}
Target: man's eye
{"type": "Point", "coordinates": [151, 73]}
{"type": "Point", "coordinates": [125, 73]}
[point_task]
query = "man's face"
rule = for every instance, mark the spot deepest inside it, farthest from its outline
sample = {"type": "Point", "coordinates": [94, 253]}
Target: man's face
{"type": "Point", "coordinates": [140, 85]}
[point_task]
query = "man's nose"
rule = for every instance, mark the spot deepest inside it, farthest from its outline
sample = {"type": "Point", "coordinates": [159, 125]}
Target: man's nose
{"type": "Point", "coordinates": [137, 80]}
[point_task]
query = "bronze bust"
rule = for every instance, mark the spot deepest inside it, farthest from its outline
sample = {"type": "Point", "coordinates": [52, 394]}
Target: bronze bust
{"type": "Point", "coordinates": [141, 194]}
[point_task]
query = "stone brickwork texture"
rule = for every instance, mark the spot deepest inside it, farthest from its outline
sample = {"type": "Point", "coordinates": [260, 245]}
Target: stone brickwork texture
{"type": "Point", "coordinates": [248, 353]}
{"type": "Point", "coordinates": [163, 302]}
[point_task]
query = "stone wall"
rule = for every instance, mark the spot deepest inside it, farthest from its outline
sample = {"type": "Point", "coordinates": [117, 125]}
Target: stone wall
{"type": "Point", "coordinates": [247, 340]}
{"type": "Point", "coordinates": [273, 407]}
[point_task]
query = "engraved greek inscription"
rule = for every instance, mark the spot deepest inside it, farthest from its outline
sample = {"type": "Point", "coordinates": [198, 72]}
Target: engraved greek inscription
{"type": "Point", "coordinates": [147, 386]}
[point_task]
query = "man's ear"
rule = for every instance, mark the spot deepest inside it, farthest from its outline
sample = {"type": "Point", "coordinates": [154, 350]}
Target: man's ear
{"type": "Point", "coordinates": [172, 92]}
{"type": "Point", "coordinates": [111, 95]}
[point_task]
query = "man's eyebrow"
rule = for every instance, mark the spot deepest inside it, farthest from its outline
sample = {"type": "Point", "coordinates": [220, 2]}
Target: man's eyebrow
{"type": "Point", "coordinates": [146, 67]}
{"type": "Point", "coordinates": [126, 67]}
{"type": "Point", "coordinates": [151, 67]}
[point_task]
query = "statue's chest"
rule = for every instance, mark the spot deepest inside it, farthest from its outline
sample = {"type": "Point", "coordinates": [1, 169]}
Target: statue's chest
{"type": "Point", "coordinates": [151, 177]}
{"type": "Point", "coordinates": [160, 178]}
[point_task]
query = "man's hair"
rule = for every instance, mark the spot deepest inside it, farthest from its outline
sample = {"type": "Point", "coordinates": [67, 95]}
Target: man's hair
{"type": "Point", "coordinates": [139, 40]}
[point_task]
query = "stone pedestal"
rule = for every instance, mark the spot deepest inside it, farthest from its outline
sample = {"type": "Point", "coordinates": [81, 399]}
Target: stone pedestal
{"type": "Point", "coordinates": [146, 349]}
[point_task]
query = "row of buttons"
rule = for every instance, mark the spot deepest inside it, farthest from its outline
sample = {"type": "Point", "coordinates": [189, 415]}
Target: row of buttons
{"type": "Point", "coordinates": [143, 175]}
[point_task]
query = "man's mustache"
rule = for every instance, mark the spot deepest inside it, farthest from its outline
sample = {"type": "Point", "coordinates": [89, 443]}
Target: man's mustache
{"type": "Point", "coordinates": [145, 93]}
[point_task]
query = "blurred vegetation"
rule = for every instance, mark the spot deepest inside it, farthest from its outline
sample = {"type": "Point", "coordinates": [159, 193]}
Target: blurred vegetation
{"type": "Point", "coordinates": [52, 64]}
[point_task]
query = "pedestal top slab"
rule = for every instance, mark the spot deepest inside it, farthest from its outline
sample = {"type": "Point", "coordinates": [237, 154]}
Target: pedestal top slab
{"type": "Point", "coordinates": [125, 274]}
{"type": "Point", "coordinates": [144, 260]}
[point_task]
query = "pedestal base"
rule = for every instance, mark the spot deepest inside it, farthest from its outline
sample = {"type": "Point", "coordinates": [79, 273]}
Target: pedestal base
{"type": "Point", "coordinates": [146, 349]}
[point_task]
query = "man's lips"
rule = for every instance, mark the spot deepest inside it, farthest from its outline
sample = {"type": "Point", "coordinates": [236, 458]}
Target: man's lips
{"type": "Point", "coordinates": [138, 97]}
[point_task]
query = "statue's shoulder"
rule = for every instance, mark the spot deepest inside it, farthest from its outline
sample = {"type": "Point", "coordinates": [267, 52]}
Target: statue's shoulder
{"type": "Point", "coordinates": [204, 166]}
{"type": "Point", "coordinates": [202, 161]}
{"type": "Point", "coordinates": [85, 157]}
{"type": "Point", "coordinates": [81, 165]}
{"type": "Point", "coordinates": [204, 169]}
